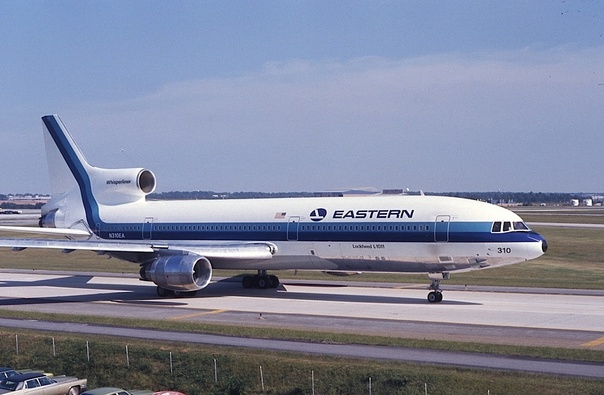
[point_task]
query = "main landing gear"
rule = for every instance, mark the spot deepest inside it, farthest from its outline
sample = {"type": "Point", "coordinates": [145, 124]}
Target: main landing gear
{"type": "Point", "coordinates": [260, 280]}
{"type": "Point", "coordinates": [436, 296]}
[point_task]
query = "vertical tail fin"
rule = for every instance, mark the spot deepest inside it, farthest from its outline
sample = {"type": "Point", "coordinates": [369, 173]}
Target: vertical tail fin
{"type": "Point", "coordinates": [80, 190]}
{"type": "Point", "coordinates": [65, 159]}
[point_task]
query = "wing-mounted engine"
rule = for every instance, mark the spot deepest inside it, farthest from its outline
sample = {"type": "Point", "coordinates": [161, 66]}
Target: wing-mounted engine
{"type": "Point", "coordinates": [119, 186]}
{"type": "Point", "coordinates": [182, 273]}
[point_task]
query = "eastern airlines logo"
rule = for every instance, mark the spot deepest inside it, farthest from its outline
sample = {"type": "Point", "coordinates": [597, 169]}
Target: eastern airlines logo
{"type": "Point", "coordinates": [320, 213]}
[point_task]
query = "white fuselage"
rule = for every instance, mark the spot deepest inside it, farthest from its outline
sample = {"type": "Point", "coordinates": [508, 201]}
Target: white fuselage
{"type": "Point", "coordinates": [371, 233]}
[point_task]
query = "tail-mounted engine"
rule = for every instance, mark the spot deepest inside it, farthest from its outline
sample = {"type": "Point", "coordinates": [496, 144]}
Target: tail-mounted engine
{"type": "Point", "coordinates": [183, 273]}
{"type": "Point", "coordinates": [119, 186]}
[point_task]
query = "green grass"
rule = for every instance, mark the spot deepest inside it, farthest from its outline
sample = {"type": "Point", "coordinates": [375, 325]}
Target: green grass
{"type": "Point", "coordinates": [239, 370]}
{"type": "Point", "coordinates": [318, 336]}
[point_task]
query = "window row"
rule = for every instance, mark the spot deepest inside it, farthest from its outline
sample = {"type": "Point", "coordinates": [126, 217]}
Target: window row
{"type": "Point", "coordinates": [365, 228]}
{"type": "Point", "coordinates": [272, 228]}
{"type": "Point", "coordinates": [202, 228]}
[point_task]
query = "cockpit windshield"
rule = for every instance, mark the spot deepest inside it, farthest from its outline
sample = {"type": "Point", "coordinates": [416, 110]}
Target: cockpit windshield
{"type": "Point", "coordinates": [508, 226]}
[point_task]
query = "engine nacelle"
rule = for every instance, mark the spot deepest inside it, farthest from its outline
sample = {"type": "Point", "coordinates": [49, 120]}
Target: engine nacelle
{"type": "Point", "coordinates": [119, 186]}
{"type": "Point", "coordinates": [179, 272]}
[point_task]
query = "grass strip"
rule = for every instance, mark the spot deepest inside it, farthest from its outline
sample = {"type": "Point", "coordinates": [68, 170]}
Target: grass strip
{"type": "Point", "coordinates": [318, 336]}
{"type": "Point", "coordinates": [195, 369]}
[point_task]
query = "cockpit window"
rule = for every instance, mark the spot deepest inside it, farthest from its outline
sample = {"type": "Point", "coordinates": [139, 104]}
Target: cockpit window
{"type": "Point", "coordinates": [496, 227]}
{"type": "Point", "coordinates": [507, 226]}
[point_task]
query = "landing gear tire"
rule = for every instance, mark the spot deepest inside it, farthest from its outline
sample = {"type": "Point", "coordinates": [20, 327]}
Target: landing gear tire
{"type": "Point", "coordinates": [166, 293]}
{"type": "Point", "coordinates": [274, 281]}
{"type": "Point", "coordinates": [185, 294]}
{"type": "Point", "coordinates": [248, 282]}
{"type": "Point", "coordinates": [262, 281]}
{"type": "Point", "coordinates": [435, 297]}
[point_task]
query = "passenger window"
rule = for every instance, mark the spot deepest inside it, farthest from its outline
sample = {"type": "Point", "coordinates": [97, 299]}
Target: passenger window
{"type": "Point", "coordinates": [496, 227]}
{"type": "Point", "coordinates": [45, 381]}
{"type": "Point", "coordinates": [507, 226]}
{"type": "Point", "coordinates": [31, 383]}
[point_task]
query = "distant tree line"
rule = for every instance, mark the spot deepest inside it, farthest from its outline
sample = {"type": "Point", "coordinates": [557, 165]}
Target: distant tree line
{"type": "Point", "coordinates": [193, 195]}
{"type": "Point", "coordinates": [521, 198]}
{"type": "Point", "coordinates": [526, 198]}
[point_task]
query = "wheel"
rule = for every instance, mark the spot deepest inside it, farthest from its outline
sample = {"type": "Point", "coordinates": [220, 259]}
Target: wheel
{"type": "Point", "coordinates": [162, 292]}
{"type": "Point", "coordinates": [74, 391]}
{"type": "Point", "coordinates": [274, 281]}
{"type": "Point", "coordinates": [439, 297]}
{"type": "Point", "coordinates": [184, 294]}
{"type": "Point", "coordinates": [248, 282]}
{"type": "Point", "coordinates": [263, 282]}
{"type": "Point", "coordinates": [433, 297]}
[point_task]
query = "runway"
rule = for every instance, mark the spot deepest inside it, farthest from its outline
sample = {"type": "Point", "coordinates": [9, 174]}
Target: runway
{"type": "Point", "coordinates": [549, 318]}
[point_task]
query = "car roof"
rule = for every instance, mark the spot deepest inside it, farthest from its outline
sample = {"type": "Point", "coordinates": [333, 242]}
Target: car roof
{"type": "Point", "coordinates": [26, 376]}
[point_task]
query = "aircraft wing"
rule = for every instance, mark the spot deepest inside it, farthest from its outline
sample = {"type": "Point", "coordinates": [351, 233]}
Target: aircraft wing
{"type": "Point", "coordinates": [70, 245]}
{"type": "Point", "coordinates": [210, 250]}
{"type": "Point", "coordinates": [46, 231]}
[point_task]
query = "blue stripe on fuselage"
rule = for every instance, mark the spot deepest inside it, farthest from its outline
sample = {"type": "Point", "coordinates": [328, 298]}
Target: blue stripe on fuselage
{"type": "Point", "coordinates": [418, 232]}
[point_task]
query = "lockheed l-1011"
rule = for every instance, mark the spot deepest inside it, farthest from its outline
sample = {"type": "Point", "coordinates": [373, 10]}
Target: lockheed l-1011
{"type": "Point", "coordinates": [178, 243]}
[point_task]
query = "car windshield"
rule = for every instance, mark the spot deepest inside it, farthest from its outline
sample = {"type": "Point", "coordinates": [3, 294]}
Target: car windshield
{"type": "Point", "coordinates": [8, 384]}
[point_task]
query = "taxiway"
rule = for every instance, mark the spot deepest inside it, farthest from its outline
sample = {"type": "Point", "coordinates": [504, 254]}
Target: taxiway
{"type": "Point", "coordinates": [549, 318]}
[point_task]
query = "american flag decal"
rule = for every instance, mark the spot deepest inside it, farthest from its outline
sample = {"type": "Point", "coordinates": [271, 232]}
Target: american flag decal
{"type": "Point", "coordinates": [280, 215]}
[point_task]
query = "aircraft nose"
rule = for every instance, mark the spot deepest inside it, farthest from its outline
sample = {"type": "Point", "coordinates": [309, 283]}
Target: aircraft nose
{"type": "Point", "coordinates": [543, 245]}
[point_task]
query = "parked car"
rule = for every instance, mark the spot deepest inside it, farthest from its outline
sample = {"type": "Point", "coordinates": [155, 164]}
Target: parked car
{"type": "Point", "coordinates": [7, 372]}
{"type": "Point", "coordinates": [115, 391]}
{"type": "Point", "coordinates": [36, 383]}
{"type": "Point", "coordinates": [119, 391]}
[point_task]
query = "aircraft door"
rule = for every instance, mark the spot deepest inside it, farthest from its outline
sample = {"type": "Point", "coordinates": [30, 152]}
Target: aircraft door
{"type": "Point", "coordinates": [441, 228]}
{"type": "Point", "coordinates": [147, 228]}
{"type": "Point", "coordinates": [292, 228]}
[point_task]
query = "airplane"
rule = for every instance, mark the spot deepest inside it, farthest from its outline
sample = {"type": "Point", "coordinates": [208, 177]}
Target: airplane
{"type": "Point", "coordinates": [178, 243]}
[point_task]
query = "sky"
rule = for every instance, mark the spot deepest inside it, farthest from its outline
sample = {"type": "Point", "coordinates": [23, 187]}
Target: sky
{"type": "Point", "coordinates": [322, 95]}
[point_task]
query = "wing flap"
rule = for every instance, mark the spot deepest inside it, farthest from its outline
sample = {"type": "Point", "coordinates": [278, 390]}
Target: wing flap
{"type": "Point", "coordinates": [231, 251]}
{"type": "Point", "coordinates": [224, 251]}
{"type": "Point", "coordinates": [46, 231]}
{"type": "Point", "coordinates": [19, 244]}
